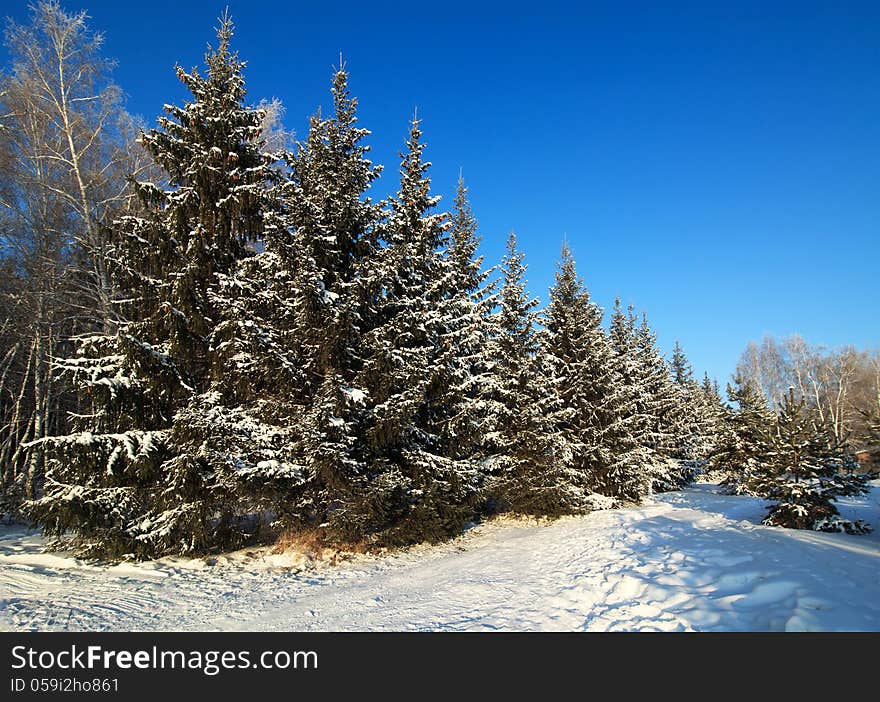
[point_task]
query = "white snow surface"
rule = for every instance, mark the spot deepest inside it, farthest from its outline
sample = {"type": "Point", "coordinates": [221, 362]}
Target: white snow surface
{"type": "Point", "coordinates": [689, 560]}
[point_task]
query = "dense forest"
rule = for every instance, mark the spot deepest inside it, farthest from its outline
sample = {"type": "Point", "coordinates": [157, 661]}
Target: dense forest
{"type": "Point", "coordinates": [212, 336]}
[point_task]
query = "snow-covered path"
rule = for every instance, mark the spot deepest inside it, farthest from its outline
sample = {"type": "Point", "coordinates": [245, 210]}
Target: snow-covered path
{"type": "Point", "coordinates": [690, 560]}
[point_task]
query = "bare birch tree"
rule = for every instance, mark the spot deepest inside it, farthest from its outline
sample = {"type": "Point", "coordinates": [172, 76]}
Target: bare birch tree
{"type": "Point", "coordinates": [67, 149]}
{"type": "Point", "coordinates": [842, 385]}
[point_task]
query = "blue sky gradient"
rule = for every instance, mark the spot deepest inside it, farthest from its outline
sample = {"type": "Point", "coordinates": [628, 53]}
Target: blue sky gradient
{"type": "Point", "coordinates": [716, 165]}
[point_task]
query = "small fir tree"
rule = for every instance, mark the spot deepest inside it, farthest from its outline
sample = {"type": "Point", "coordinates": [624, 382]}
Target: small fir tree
{"type": "Point", "coordinates": [805, 470]}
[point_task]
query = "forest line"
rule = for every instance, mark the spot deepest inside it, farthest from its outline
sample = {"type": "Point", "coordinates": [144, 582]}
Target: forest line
{"type": "Point", "coordinates": [213, 337]}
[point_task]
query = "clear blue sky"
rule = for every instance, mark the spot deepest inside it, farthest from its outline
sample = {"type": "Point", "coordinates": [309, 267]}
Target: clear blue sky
{"type": "Point", "coordinates": [717, 165]}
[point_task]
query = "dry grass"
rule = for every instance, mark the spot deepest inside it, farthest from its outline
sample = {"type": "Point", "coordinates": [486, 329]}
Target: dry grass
{"type": "Point", "coordinates": [312, 546]}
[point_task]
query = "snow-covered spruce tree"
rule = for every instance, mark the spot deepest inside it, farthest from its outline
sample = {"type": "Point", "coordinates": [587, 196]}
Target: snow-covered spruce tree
{"type": "Point", "coordinates": [742, 445]}
{"type": "Point", "coordinates": [251, 414]}
{"type": "Point", "coordinates": [330, 242]}
{"type": "Point", "coordinates": [693, 432]}
{"type": "Point", "coordinates": [712, 388]}
{"type": "Point", "coordinates": [662, 407]}
{"type": "Point", "coordinates": [711, 419]}
{"type": "Point", "coordinates": [680, 367]}
{"type": "Point", "coordinates": [630, 477]}
{"type": "Point", "coordinates": [463, 405]}
{"type": "Point", "coordinates": [412, 490]}
{"type": "Point", "coordinates": [713, 401]}
{"type": "Point", "coordinates": [805, 470]}
{"type": "Point", "coordinates": [159, 465]}
{"type": "Point", "coordinates": [531, 464]}
{"type": "Point", "coordinates": [580, 357]}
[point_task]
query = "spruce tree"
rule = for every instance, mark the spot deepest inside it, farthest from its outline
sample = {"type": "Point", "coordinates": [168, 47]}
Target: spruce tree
{"type": "Point", "coordinates": [742, 448]}
{"type": "Point", "coordinates": [465, 379]}
{"type": "Point", "coordinates": [805, 469]}
{"type": "Point", "coordinates": [569, 317]}
{"type": "Point", "coordinates": [663, 411]}
{"type": "Point", "coordinates": [533, 470]}
{"type": "Point", "coordinates": [682, 372]}
{"type": "Point", "coordinates": [711, 421]}
{"type": "Point", "coordinates": [580, 357]}
{"type": "Point", "coordinates": [710, 390]}
{"type": "Point", "coordinates": [330, 242]}
{"type": "Point", "coordinates": [629, 478]}
{"type": "Point", "coordinates": [694, 427]}
{"type": "Point", "coordinates": [147, 472]}
{"type": "Point", "coordinates": [413, 490]}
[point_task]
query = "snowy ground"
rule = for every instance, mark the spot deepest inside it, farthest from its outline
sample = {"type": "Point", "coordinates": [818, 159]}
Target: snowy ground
{"type": "Point", "coordinates": [690, 560]}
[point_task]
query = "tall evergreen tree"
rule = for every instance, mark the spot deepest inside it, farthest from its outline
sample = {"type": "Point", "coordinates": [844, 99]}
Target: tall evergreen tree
{"type": "Point", "coordinates": [146, 473]}
{"type": "Point", "coordinates": [711, 421]}
{"type": "Point", "coordinates": [333, 225]}
{"type": "Point", "coordinates": [580, 357]}
{"type": "Point", "coordinates": [663, 410]}
{"type": "Point", "coordinates": [742, 448]}
{"type": "Point", "coordinates": [629, 479]}
{"type": "Point", "coordinates": [710, 389]}
{"type": "Point", "coordinates": [695, 425]}
{"type": "Point", "coordinates": [331, 243]}
{"type": "Point", "coordinates": [413, 489]}
{"type": "Point", "coordinates": [533, 469]}
{"type": "Point", "coordinates": [464, 384]}
{"type": "Point", "coordinates": [682, 372]}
